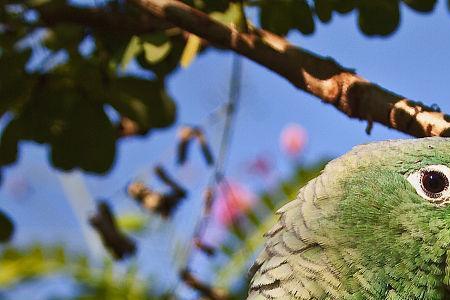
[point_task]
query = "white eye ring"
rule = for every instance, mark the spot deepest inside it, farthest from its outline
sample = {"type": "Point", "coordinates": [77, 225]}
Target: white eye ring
{"type": "Point", "coordinates": [432, 183]}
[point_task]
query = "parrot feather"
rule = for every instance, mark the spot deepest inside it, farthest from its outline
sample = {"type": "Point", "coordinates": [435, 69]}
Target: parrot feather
{"type": "Point", "coordinates": [375, 224]}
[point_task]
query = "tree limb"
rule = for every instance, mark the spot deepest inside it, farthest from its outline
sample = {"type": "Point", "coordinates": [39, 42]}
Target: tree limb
{"type": "Point", "coordinates": [316, 75]}
{"type": "Point", "coordinates": [99, 18]}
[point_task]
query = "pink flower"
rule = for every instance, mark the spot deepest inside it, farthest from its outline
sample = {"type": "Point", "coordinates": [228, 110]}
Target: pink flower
{"type": "Point", "coordinates": [233, 200]}
{"type": "Point", "coordinates": [293, 139]}
{"type": "Point", "coordinates": [261, 166]}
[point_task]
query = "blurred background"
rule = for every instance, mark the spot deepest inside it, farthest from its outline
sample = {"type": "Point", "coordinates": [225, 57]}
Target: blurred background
{"type": "Point", "coordinates": [274, 140]}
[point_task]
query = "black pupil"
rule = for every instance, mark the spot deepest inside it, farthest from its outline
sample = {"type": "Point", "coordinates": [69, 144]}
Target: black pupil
{"type": "Point", "coordinates": [434, 182]}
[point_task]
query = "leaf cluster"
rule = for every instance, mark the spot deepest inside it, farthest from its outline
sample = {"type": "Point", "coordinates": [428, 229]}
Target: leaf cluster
{"type": "Point", "coordinates": [59, 83]}
{"type": "Point", "coordinates": [375, 18]}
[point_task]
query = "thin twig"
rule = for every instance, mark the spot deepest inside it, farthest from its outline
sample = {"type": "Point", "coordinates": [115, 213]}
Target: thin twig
{"type": "Point", "coordinates": [219, 167]}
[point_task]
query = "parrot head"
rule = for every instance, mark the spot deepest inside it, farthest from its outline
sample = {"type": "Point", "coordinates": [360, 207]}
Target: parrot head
{"type": "Point", "coordinates": [374, 225]}
{"type": "Point", "coordinates": [393, 218]}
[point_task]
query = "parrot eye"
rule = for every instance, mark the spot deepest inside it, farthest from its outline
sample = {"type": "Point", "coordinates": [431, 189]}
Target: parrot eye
{"type": "Point", "coordinates": [432, 183]}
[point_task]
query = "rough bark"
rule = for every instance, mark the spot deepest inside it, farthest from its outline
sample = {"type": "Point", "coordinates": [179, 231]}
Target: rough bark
{"type": "Point", "coordinates": [316, 75]}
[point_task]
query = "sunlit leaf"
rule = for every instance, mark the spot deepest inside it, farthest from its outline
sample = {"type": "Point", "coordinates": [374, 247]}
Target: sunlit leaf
{"type": "Point", "coordinates": [156, 47]}
{"type": "Point", "coordinates": [233, 15]}
{"type": "Point", "coordinates": [134, 48]}
{"type": "Point", "coordinates": [134, 223]}
{"type": "Point", "coordinates": [190, 51]}
{"type": "Point", "coordinates": [18, 266]}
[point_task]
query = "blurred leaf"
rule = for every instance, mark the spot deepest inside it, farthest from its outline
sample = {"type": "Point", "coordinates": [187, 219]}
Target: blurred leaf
{"type": "Point", "coordinates": [94, 282]}
{"type": "Point", "coordinates": [237, 266]}
{"type": "Point", "coordinates": [134, 48]}
{"type": "Point", "coordinates": [421, 5]}
{"type": "Point", "coordinates": [6, 228]}
{"type": "Point", "coordinates": [170, 62]}
{"type": "Point", "coordinates": [15, 84]}
{"type": "Point", "coordinates": [19, 266]}
{"type": "Point", "coordinates": [323, 9]}
{"type": "Point", "coordinates": [9, 143]}
{"type": "Point", "coordinates": [35, 3]}
{"type": "Point", "coordinates": [267, 201]}
{"type": "Point", "coordinates": [79, 146]}
{"type": "Point", "coordinates": [303, 14]}
{"type": "Point", "coordinates": [134, 223]}
{"type": "Point", "coordinates": [284, 15]}
{"type": "Point", "coordinates": [143, 101]}
{"type": "Point", "coordinates": [211, 5]}
{"type": "Point", "coordinates": [156, 47]}
{"type": "Point", "coordinates": [276, 16]}
{"type": "Point", "coordinates": [232, 15]}
{"type": "Point", "coordinates": [64, 37]}
{"type": "Point", "coordinates": [344, 6]}
{"type": "Point", "coordinates": [65, 119]}
{"type": "Point", "coordinates": [379, 17]}
{"type": "Point", "coordinates": [190, 51]}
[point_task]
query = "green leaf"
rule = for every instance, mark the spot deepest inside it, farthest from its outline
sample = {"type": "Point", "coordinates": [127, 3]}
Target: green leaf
{"type": "Point", "coordinates": [421, 5]}
{"type": "Point", "coordinates": [34, 3]}
{"type": "Point", "coordinates": [156, 47]}
{"type": "Point", "coordinates": [9, 143]}
{"type": "Point", "coordinates": [15, 84]}
{"type": "Point", "coordinates": [284, 15]}
{"type": "Point", "coordinates": [6, 228]}
{"type": "Point", "coordinates": [20, 265]}
{"type": "Point", "coordinates": [64, 37]}
{"type": "Point", "coordinates": [276, 16]}
{"type": "Point", "coordinates": [190, 51]}
{"type": "Point", "coordinates": [134, 48]}
{"type": "Point", "coordinates": [169, 63]}
{"type": "Point", "coordinates": [143, 101]}
{"type": "Point", "coordinates": [343, 6]}
{"type": "Point", "coordinates": [323, 9]}
{"type": "Point", "coordinates": [211, 5]}
{"type": "Point", "coordinates": [87, 140]}
{"type": "Point", "coordinates": [302, 17]}
{"type": "Point", "coordinates": [233, 15]}
{"type": "Point", "coordinates": [379, 17]}
{"type": "Point", "coordinates": [134, 223]}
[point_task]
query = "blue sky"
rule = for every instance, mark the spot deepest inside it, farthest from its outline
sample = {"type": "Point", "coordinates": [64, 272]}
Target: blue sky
{"type": "Point", "coordinates": [413, 62]}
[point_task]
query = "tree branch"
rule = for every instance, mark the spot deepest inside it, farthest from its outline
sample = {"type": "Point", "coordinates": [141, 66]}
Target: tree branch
{"type": "Point", "coordinates": [99, 18]}
{"type": "Point", "coordinates": [316, 75]}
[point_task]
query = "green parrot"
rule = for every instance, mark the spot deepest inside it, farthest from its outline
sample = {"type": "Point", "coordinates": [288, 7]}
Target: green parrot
{"type": "Point", "coordinates": [374, 225]}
